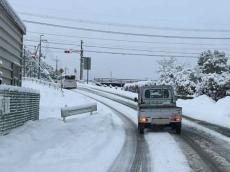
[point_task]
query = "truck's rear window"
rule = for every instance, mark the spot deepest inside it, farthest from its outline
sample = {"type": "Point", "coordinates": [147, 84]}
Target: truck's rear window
{"type": "Point", "coordinates": [156, 93]}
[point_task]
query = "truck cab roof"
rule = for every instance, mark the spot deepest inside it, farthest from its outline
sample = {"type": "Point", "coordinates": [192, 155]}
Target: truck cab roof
{"type": "Point", "coordinates": [156, 95]}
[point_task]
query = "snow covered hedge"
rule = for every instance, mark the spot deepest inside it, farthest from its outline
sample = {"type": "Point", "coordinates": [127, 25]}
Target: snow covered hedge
{"type": "Point", "coordinates": [211, 76]}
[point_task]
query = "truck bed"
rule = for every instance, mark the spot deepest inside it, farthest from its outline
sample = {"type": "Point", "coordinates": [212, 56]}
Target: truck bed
{"type": "Point", "coordinates": [160, 112]}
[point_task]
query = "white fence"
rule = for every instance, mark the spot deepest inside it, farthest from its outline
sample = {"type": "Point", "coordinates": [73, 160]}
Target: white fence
{"type": "Point", "coordinates": [75, 110]}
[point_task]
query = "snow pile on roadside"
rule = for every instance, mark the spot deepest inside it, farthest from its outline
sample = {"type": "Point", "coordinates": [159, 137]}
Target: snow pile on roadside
{"type": "Point", "coordinates": [140, 84]}
{"type": "Point", "coordinates": [84, 143]}
{"type": "Point", "coordinates": [117, 91]}
{"type": "Point", "coordinates": [206, 109]}
{"type": "Point", "coordinates": [52, 100]}
{"type": "Point", "coordinates": [51, 145]}
{"type": "Point", "coordinates": [165, 153]}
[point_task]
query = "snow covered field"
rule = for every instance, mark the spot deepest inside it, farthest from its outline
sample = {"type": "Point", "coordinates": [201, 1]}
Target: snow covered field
{"type": "Point", "coordinates": [83, 143]}
{"type": "Point", "coordinates": [201, 108]}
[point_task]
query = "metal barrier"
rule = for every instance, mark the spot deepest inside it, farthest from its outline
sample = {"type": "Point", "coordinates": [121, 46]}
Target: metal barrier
{"type": "Point", "coordinates": [75, 110]}
{"type": "Point", "coordinates": [17, 106]}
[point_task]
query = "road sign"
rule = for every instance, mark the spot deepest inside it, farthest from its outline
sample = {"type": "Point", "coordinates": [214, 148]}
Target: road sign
{"type": "Point", "coordinates": [87, 63]}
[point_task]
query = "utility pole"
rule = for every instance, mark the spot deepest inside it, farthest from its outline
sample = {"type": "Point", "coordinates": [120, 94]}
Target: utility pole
{"type": "Point", "coordinates": [39, 59]}
{"type": "Point", "coordinates": [111, 76]}
{"type": "Point", "coordinates": [56, 61]}
{"type": "Point", "coordinates": [81, 61]}
{"type": "Point", "coordinates": [24, 62]}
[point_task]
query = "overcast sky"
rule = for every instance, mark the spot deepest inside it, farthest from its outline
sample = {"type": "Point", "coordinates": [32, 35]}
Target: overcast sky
{"type": "Point", "coordinates": [166, 14]}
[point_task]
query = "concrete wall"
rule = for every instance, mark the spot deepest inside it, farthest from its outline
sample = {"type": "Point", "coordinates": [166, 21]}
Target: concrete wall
{"type": "Point", "coordinates": [11, 45]}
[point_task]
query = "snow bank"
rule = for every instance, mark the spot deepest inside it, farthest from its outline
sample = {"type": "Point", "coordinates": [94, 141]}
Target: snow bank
{"type": "Point", "coordinates": [140, 83]}
{"type": "Point", "coordinates": [206, 109]}
{"type": "Point", "coordinates": [114, 90]}
{"type": "Point", "coordinates": [84, 143]}
{"type": "Point", "coordinates": [52, 100]}
{"type": "Point", "coordinates": [51, 145]}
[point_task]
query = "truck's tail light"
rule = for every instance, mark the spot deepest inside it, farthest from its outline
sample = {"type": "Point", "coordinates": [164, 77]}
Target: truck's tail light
{"type": "Point", "coordinates": [177, 118]}
{"type": "Point", "coordinates": [143, 119]}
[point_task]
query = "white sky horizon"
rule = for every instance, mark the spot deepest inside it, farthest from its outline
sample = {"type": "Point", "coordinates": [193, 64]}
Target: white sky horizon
{"type": "Point", "coordinates": [187, 14]}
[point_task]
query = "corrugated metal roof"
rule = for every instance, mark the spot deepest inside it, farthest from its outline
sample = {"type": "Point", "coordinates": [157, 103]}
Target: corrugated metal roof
{"type": "Point", "coordinates": [13, 15]}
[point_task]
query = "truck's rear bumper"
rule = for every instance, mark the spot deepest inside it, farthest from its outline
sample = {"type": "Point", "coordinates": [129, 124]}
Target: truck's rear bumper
{"type": "Point", "coordinates": [173, 125]}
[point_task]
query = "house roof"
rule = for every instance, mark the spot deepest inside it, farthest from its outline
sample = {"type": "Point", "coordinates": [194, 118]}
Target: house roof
{"type": "Point", "coordinates": [10, 11]}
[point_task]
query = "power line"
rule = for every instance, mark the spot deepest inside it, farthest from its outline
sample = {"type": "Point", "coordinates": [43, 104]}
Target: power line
{"type": "Point", "coordinates": [121, 40]}
{"type": "Point", "coordinates": [118, 53]}
{"type": "Point", "coordinates": [125, 33]}
{"type": "Point", "coordinates": [123, 53]}
{"type": "Point", "coordinates": [130, 49]}
{"type": "Point", "coordinates": [57, 43]}
{"type": "Point", "coordinates": [125, 25]}
{"type": "Point", "coordinates": [122, 48]}
{"type": "Point", "coordinates": [49, 47]}
{"type": "Point", "coordinates": [117, 48]}
{"type": "Point", "coordinates": [135, 54]}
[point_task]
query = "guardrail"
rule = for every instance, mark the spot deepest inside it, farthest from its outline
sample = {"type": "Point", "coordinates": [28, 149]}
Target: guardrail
{"type": "Point", "coordinates": [47, 83]}
{"type": "Point", "coordinates": [75, 110]}
{"type": "Point", "coordinates": [17, 106]}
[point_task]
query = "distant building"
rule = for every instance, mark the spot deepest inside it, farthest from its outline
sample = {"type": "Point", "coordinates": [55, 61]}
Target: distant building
{"type": "Point", "coordinates": [11, 45]}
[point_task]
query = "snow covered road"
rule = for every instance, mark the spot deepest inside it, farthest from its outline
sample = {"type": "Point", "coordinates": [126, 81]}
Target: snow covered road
{"type": "Point", "coordinates": [156, 158]}
{"type": "Point", "coordinates": [135, 154]}
{"type": "Point", "coordinates": [195, 143]}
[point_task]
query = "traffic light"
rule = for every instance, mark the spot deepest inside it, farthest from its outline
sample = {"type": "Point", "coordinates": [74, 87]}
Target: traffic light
{"type": "Point", "coordinates": [68, 51]}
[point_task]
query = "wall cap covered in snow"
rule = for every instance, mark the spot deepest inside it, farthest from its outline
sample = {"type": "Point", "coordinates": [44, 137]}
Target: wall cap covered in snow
{"type": "Point", "coordinates": [18, 89]}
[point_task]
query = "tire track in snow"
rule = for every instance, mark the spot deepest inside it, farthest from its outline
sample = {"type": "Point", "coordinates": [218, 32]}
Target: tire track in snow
{"type": "Point", "coordinates": [214, 153]}
{"type": "Point", "coordinates": [134, 156]}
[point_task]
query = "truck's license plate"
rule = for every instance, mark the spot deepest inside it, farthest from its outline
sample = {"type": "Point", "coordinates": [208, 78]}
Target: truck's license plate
{"type": "Point", "coordinates": [160, 121]}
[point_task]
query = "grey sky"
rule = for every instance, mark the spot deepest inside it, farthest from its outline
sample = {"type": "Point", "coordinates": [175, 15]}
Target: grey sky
{"type": "Point", "coordinates": [205, 14]}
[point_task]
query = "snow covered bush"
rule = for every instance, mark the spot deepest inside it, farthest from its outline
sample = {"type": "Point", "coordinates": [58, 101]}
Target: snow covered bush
{"type": "Point", "coordinates": [214, 85]}
{"type": "Point", "coordinates": [213, 62]}
{"type": "Point", "coordinates": [211, 76]}
{"type": "Point", "coordinates": [177, 75]}
{"type": "Point", "coordinates": [185, 84]}
{"type": "Point", "coordinates": [214, 79]}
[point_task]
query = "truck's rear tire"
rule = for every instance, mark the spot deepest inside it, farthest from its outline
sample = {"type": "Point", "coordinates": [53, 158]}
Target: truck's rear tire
{"type": "Point", "coordinates": [140, 129]}
{"type": "Point", "coordinates": [178, 128]}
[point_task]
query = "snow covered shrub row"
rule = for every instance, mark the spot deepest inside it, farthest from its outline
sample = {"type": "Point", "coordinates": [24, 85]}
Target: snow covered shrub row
{"type": "Point", "coordinates": [211, 75]}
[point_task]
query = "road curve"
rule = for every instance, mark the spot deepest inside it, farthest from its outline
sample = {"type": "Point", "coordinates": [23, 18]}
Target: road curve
{"type": "Point", "coordinates": [211, 154]}
{"type": "Point", "coordinates": [134, 156]}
